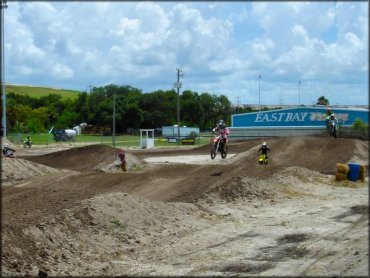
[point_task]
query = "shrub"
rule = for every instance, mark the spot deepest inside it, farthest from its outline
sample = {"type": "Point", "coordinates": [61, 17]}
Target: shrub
{"type": "Point", "coordinates": [360, 126]}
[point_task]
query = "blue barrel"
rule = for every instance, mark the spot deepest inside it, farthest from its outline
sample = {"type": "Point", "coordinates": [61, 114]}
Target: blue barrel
{"type": "Point", "coordinates": [354, 171]}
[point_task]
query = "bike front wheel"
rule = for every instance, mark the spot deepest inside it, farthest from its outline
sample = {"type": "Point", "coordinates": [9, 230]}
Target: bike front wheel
{"type": "Point", "coordinates": [213, 153]}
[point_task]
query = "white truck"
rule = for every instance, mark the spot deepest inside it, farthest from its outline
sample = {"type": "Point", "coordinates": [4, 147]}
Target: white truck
{"type": "Point", "coordinates": [64, 135]}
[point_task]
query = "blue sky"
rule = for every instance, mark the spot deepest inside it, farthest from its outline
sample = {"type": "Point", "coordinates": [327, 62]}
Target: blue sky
{"type": "Point", "coordinates": [222, 48]}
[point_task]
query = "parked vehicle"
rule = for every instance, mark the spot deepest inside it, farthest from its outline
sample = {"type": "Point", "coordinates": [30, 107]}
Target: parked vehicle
{"type": "Point", "coordinates": [64, 135]}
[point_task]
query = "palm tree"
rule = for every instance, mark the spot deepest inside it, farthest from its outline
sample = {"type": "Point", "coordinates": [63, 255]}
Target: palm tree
{"type": "Point", "coordinates": [322, 101]}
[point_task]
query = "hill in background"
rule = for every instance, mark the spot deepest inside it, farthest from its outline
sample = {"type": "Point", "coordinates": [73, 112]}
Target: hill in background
{"type": "Point", "coordinates": [38, 92]}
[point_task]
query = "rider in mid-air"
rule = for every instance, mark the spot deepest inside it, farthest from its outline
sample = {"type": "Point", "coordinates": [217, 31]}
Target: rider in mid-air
{"type": "Point", "coordinates": [264, 150]}
{"type": "Point", "coordinates": [222, 130]}
{"type": "Point", "coordinates": [331, 121]}
{"type": "Point", "coordinates": [329, 115]}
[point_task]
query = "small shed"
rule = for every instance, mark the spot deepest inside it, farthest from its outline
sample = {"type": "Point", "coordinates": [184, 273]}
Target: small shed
{"type": "Point", "coordinates": [146, 138]}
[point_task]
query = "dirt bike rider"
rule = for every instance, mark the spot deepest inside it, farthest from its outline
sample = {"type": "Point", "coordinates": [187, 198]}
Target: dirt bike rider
{"type": "Point", "coordinates": [329, 116]}
{"type": "Point", "coordinates": [122, 158]}
{"type": "Point", "coordinates": [222, 130]}
{"type": "Point", "coordinates": [8, 152]}
{"type": "Point", "coordinates": [27, 141]}
{"type": "Point", "coordinates": [332, 120]}
{"type": "Point", "coordinates": [264, 150]}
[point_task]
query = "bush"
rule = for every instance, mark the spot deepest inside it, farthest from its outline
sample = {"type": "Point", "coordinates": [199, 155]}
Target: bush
{"type": "Point", "coordinates": [193, 134]}
{"type": "Point", "coordinates": [33, 125]}
{"type": "Point", "coordinates": [360, 126]}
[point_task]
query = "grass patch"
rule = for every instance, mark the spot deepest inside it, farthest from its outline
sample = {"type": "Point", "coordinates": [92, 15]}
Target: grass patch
{"type": "Point", "coordinates": [124, 141]}
{"type": "Point", "coordinates": [117, 223]}
{"type": "Point", "coordinates": [38, 92]}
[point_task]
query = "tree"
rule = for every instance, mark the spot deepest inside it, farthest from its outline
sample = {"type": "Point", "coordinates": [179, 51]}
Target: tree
{"type": "Point", "coordinates": [322, 101]}
{"type": "Point", "coordinates": [207, 105]}
{"type": "Point", "coordinates": [190, 109]}
{"type": "Point", "coordinates": [159, 108]}
{"type": "Point", "coordinates": [67, 120]}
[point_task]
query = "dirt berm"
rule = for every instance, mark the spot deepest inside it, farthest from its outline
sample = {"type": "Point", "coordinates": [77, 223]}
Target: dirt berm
{"type": "Point", "coordinates": [73, 212]}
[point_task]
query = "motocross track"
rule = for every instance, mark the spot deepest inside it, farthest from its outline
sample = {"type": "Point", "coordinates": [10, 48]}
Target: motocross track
{"type": "Point", "coordinates": [73, 212]}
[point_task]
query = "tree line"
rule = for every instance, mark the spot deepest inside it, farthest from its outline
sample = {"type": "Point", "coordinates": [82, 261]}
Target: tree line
{"type": "Point", "coordinates": [133, 110]}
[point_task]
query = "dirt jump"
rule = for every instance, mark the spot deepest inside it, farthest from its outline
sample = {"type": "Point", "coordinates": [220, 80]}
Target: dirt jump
{"type": "Point", "coordinates": [72, 211]}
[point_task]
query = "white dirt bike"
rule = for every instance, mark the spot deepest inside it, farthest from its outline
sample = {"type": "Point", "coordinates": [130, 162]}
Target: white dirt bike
{"type": "Point", "coordinates": [333, 128]}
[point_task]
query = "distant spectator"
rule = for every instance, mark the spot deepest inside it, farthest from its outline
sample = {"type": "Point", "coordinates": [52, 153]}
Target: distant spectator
{"type": "Point", "coordinates": [122, 158]}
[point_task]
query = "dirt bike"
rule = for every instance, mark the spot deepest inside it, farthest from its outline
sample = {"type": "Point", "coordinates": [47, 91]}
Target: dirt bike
{"type": "Point", "coordinates": [262, 159]}
{"type": "Point", "coordinates": [27, 144]}
{"type": "Point", "coordinates": [218, 146]}
{"type": "Point", "coordinates": [333, 128]}
{"type": "Point", "coordinates": [8, 153]}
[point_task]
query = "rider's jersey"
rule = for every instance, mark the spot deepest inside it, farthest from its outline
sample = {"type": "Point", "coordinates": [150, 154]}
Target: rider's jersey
{"type": "Point", "coordinates": [264, 150]}
{"type": "Point", "coordinates": [328, 114]}
{"type": "Point", "coordinates": [121, 156]}
{"type": "Point", "coordinates": [222, 132]}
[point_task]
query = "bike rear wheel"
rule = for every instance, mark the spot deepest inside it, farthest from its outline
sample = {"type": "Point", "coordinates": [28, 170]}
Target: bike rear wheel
{"type": "Point", "coordinates": [224, 152]}
{"type": "Point", "coordinates": [334, 132]}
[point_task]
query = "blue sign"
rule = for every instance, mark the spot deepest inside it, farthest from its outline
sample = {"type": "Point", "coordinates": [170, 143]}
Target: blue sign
{"type": "Point", "coordinates": [300, 116]}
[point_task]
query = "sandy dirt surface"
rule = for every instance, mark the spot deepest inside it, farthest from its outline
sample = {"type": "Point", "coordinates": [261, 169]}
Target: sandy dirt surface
{"type": "Point", "coordinates": [70, 211]}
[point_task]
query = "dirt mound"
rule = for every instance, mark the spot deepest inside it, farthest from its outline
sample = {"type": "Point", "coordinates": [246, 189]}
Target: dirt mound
{"type": "Point", "coordinates": [87, 158]}
{"type": "Point", "coordinates": [275, 187]}
{"type": "Point", "coordinates": [247, 187]}
{"type": "Point", "coordinates": [88, 219]}
{"type": "Point", "coordinates": [122, 234]}
{"type": "Point", "coordinates": [15, 171]}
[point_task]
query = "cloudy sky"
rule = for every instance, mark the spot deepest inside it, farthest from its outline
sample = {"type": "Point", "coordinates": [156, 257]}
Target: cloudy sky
{"type": "Point", "coordinates": [221, 47]}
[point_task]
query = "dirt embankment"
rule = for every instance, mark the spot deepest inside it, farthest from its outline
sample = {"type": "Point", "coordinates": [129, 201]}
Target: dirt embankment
{"type": "Point", "coordinates": [73, 212]}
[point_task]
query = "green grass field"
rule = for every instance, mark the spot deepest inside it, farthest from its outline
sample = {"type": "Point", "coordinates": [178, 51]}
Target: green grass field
{"type": "Point", "coordinates": [127, 141]}
{"type": "Point", "coordinates": [37, 92]}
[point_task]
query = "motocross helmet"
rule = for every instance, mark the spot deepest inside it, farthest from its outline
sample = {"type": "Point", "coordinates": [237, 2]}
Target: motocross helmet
{"type": "Point", "coordinates": [6, 145]}
{"type": "Point", "coordinates": [221, 124]}
{"type": "Point", "coordinates": [328, 110]}
{"type": "Point", "coordinates": [264, 144]}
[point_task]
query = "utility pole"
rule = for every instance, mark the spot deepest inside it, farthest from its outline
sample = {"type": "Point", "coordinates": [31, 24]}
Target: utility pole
{"type": "Point", "coordinates": [3, 6]}
{"type": "Point", "coordinates": [178, 86]}
{"type": "Point", "coordinates": [238, 97]}
{"type": "Point", "coordinates": [259, 91]}
{"type": "Point", "coordinates": [114, 119]}
{"type": "Point", "coordinates": [299, 92]}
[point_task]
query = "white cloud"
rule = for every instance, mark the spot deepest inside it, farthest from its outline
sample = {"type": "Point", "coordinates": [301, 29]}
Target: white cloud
{"type": "Point", "coordinates": [61, 71]}
{"type": "Point", "coordinates": [25, 70]}
{"type": "Point", "coordinates": [225, 44]}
